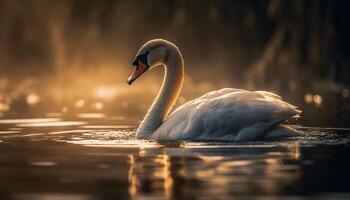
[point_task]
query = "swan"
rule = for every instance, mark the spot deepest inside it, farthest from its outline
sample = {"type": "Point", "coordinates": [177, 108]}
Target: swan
{"type": "Point", "coordinates": [227, 114]}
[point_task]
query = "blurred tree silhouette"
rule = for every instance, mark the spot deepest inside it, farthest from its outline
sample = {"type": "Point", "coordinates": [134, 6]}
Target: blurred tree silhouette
{"type": "Point", "coordinates": [300, 45]}
{"type": "Point", "coordinates": [272, 42]}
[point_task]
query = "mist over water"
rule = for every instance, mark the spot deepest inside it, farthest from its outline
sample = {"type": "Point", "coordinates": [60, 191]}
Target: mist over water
{"type": "Point", "coordinates": [66, 55]}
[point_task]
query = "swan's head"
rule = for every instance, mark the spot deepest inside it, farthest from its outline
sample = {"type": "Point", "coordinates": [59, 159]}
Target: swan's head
{"type": "Point", "coordinates": [150, 55]}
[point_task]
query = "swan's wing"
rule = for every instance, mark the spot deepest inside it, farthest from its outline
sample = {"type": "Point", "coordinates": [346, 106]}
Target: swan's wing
{"type": "Point", "coordinates": [226, 114]}
{"type": "Point", "coordinates": [207, 96]}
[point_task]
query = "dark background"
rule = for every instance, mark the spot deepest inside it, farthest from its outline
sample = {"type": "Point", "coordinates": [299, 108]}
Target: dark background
{"type": "Point", "coordinates": [65, 51]}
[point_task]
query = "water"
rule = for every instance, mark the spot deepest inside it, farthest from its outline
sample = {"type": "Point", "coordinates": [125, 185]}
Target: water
{"type": "Point", "coordinates": [95, 156]}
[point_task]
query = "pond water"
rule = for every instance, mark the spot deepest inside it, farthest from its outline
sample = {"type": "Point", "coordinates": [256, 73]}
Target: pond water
{"type": "Point", "coordinates": [95, 156]}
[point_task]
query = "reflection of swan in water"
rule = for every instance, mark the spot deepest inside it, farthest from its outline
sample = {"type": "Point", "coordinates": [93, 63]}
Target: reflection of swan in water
{"type": "Point", "coordinates": [150, 176]}
{"type": "Point", "coordinates": [226, 114]}
{"type": "Point", "coordinates": [173, 173]}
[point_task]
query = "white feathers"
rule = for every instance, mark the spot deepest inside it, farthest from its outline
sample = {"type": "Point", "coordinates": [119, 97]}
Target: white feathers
{"type": "Point", "coordinates": [226, 114]}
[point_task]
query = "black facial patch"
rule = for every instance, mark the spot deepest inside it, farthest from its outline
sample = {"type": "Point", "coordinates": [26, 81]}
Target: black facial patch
{"type": "Point", "coordinates": [141, 57]}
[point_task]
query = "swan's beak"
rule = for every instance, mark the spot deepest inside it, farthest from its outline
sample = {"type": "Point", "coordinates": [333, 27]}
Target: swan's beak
{"type": "Point", "coordinates": [138, 71]}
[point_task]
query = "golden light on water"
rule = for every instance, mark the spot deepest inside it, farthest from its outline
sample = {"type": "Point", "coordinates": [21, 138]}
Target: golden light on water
{"type": "Point", "coordinates": [52, 124]}
{"type": "Point", "coordinates": [43, 163]}
{"type": "Point", "coordinates": [107, 126]}
{"type": "Point", "coordinates": [91, 115]}
{"type": "Point", "coordinates": [132, 178]}
{"type": "Point", "coordinates": [29, 120]}
{"type": "Point", "coordinates": [8, 132]}
{"type": "Point", "coordinates": [69, 131]}
{"type": "Point", "coordinates": [168, 179]}
{"type": "Point", "coordinates": [164, 183]}
{"type": "Point", "coordinates": [295, 151]}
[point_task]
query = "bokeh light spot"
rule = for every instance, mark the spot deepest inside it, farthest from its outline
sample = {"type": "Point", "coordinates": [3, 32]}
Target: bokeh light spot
{"type": "Point", "coordinates": [33, 99]}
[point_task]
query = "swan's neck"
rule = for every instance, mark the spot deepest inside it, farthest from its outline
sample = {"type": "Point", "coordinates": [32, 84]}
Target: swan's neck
{"type": "Point", "coordinates": [167, 96]}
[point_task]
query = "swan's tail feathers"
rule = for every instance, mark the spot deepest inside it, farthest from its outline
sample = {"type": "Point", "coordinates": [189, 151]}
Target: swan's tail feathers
{"type": "Point", "coordinates": [276, 130]}
{"type": "Point", "coordinates": [298, 112]}
{"type": "Point", "coordinates": [284, 116]}
{"type": "Point", "coordinates": [282, 131]}
{"type": "Point", "coordinates": [261, 130]}
{"type": "Point", "coordinates": [294, 114]}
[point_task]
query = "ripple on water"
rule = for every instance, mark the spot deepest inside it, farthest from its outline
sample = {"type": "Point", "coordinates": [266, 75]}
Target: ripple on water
{"type": "Point", "coordinates": [123, 135]}
{"type": "Point", "coordinates": [117, 139]}
{"type": "Point", "coordinates": [33, 134]}
{"type": "Point", "coordinates": [52, 196]}
{"type": "Point", "coordinates": [91, 115]}
{"type": "Point", "coordinates": [8, 132]}
{"type": "Point", "coordinates": [29, 120]}
{"type": "Point", "coordinates": [52, 124]}
{"type": "Point", "coordinates": [14, 129]}
{"type": "Point", "coordinates": [69, 131]}
{"type": "Point", "coordinates": [43, 164]}
{"type": "Point", "coordinates": [108, 126]}
{"type": "Point", "coordinates": [125, 139]}
{"type": "Point", "coordinates": [117, 143]}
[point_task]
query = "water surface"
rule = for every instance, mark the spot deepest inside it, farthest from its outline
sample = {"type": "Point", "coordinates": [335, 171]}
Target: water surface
{"type": "Point", "coordinates": [95, 156]}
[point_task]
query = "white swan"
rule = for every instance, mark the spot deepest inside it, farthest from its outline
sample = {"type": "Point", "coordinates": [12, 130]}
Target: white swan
{"type": "Point", "coordinates": [226, 114]}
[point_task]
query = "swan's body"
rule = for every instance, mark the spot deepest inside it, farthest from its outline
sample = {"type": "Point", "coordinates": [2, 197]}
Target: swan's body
{"type": "Point", "coordinates": [226, 114]}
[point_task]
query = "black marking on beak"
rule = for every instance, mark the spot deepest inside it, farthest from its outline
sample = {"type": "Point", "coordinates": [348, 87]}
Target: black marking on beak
{"type": "Point", "coordinates": [140, 64]}
{"type": "Point", "coordinates": [135, 62]}
{"type": "Point", "coordinates": [141, 57]}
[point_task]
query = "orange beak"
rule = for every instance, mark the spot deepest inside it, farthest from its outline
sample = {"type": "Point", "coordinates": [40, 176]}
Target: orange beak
{"type": "Point", "coordinates": [138, 71]}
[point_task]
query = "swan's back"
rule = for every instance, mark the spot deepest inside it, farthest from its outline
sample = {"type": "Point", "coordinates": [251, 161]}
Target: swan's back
{"type": "Point", "coordinates": [226, 114]}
